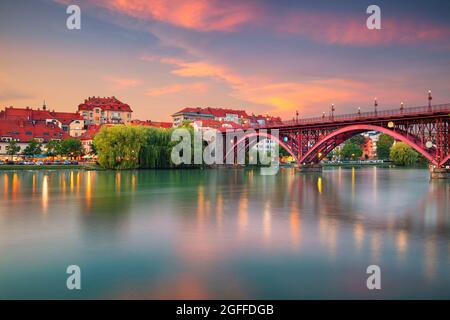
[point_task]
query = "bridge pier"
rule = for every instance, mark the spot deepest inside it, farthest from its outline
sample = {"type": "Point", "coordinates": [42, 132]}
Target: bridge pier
{"type": "Point", "coordinates": [310, 168]}
{"type": "Point", "coordinates": [439, 173]}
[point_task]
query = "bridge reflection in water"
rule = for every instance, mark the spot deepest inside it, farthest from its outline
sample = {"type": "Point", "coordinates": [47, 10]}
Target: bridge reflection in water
{"type": "Point", "coordinates": [225, 233]}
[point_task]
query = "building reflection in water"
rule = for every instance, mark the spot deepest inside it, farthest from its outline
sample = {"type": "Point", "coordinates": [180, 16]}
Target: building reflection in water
{"type": "Point", "coordinates": [118, 183]}
{"type": "Point", "coordinates": [63, 183]}
{"type": "Point", "coordinates": [45, 194]}
{"type": "Point", "coordinates": [88, 193]}
{"type": "Point", "coordinates": [5, 185]}
{"type": "Point", "coordinates": [358, 235]}
{"type": "Point", "coordinates": [200, 206]}
{"type": "Point", "coordinates": [78, 186]}
{"type": "Point", "coordinates": [15, 185]}
{"type": "Point", "coordinates": [375, 246]}
{"type": "Point", "coordinates": [33, 184]}
{"type": "Point", "coordinates": [401, 245]}
{"type": "Point", "coordinates": [267, 222]}
{"type": "Point", "coordinates": [133, 182]}
{"type": "Point", "coordinates": [295, 226]}
{"type": "Point", "coordinates": [71, 182]}
{"type": "Point", "coordinates": [243, 213]}
{"type": "Point", "coordinates": [319, 184]}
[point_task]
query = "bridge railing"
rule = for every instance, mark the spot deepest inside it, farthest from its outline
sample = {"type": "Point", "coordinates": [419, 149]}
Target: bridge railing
{"type": "Point", "coordinates": [425, 110]}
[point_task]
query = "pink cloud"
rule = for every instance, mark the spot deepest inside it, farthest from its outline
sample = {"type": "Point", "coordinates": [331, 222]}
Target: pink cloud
{"type": "Point", "coordinates": [282, 98]}
{"type": "Point", "coordinates": [201, 15]}
{"type": "Point", "coordinates": [349, 29]}
{"type": "Point", "coordinates": [122, 83]}
{"type": "Point", "coordinates": [322, 27]}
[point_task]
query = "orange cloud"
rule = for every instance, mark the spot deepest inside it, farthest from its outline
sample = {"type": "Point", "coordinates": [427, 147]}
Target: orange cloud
{"type": "Point", "coordinates": [189, 87]}
{"type": "Point", "coordinates": [201, 15]}
{"type": "Point", "coordinates": [122, 83]}
{"type": "Point", "coordinates": [202, 69]}
{"type": "Point", "coordinates": [282, 98]}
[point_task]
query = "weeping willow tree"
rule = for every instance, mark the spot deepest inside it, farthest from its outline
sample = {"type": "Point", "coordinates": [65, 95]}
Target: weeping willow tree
{"type": "Point", "coordinates": [119, 147]}
{"type": "Point", "coordinates": [157, 148]}
{"type": "Point", "coordinates": [131, 147]}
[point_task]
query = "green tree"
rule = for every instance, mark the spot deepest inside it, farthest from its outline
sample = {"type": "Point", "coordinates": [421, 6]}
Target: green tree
{"type": "Point", "coordinates": [351, 151]}
{"type": "Point", "coordinates": [384, 145]}
{"type": "Point", "coordinates": [71, 148]}
{"type": "Point", "coordinates": [32, 149]}
{"type": "Point", "coordinates": [358, 140]}
{"type": "Point", "coordinates": [402, 154]}
{"type": "Point", "coordinates": [119, 147]}
{"type": "Point", "coordinates": [12, 148]}
{"type": "Point", "coordinates": [53, 148]}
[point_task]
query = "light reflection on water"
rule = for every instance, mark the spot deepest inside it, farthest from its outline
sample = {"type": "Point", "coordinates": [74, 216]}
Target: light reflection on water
{"type": "Point", "coordinates": [224, 234]}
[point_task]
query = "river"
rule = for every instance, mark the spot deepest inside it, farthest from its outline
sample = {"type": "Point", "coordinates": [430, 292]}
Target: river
{"type": "Point", "coordinates": [224, 233]}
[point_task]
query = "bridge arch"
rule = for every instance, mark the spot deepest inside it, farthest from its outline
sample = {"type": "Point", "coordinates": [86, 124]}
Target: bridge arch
{"type": "Point", "coordinates": [443, 162]}
{"type": "Point", "coordinates": [363, 128]}
{"type": "Point", "coordinates": [263, 134]}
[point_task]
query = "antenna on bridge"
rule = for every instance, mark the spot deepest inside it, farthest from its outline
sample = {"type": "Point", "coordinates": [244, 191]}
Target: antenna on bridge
{"type": "Point", "coordinates": [375, 104]}
{"type": "Point", "coordinates": [429, 100]}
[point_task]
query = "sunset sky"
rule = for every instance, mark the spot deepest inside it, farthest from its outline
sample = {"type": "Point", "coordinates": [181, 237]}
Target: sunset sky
{"type": "Point", "coordinates": [271, 57]}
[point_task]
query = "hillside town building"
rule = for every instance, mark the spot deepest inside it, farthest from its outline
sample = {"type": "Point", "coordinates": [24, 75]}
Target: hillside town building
{"type": "Point", "coordinates": [96, 110]}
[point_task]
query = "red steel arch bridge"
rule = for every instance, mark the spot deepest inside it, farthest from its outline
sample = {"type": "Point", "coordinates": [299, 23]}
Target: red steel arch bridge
{"type": "Point", "coordinates": [426, 129]}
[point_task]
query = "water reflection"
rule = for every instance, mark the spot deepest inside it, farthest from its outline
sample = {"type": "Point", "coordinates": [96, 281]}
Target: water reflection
{"type": "Point", "coordinates": [210, 229]}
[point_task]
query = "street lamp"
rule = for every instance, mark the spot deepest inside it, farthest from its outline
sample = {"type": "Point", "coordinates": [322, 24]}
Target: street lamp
{"type": "Point", "coordinates": [429, 100]}
{"type": "Point", "coordinates": [401, 107]}
{"type": "Point", "coordinates": [375, 104]}
{"type": "Point", "coordinates": [332, 111]}
{"type": "Point", "coordinates": [359, 111]}
{"type": "Point", "coordinates": [323, 115]}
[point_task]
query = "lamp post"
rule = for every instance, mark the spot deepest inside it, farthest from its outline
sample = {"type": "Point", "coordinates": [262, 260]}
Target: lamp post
{"type": "Point", "coordinates": [296, 113]}
{"type": "Point", "coordinates": [401, 107]}
{"type": "Point", "coordinates": [375, 104]}
{"type": "Point", "coordinates": [429, 100]}
{"type": "Point", "coordinates": [332, 111]}
{"type": "Point", "coordinates": [359, 111]}
{"type": "Point", "coordinates": [323, 115]}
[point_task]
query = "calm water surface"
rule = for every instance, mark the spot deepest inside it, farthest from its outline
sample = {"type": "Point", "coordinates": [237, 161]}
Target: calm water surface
{"type": "Point", "coordinates": [224, 234]}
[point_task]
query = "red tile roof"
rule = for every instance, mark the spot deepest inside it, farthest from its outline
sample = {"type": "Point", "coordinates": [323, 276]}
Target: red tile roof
{"type": "Point", "coordinates": [215, 112]}
{"type": "Point", "coordinates": [151, 123]}
{"type": "Point", "coordinates": [23, 131]}
{"type": "Point", "coordinates": [29, 114]}
{"type": "Point", "coordinates": [91, 132]}
{"type": "Point", "coordinates": [109, 103]}
{"type": "Point", "coordinates": [215, 124]}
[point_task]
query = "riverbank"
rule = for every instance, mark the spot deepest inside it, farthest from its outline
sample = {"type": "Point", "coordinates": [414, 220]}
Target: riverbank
{"type": "Point", "coordinates": [8, 167]}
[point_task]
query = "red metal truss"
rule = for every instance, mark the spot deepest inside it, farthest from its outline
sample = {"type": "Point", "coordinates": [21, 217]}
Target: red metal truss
{"type": "Point", "coordinates": [426, 129]}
